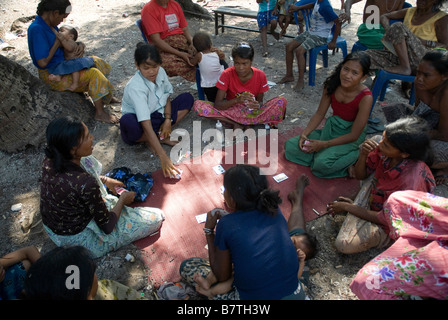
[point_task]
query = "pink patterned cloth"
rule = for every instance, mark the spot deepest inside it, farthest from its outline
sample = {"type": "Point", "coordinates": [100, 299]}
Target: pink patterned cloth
{"type": "Point", "coordinates": [417, 263]}
{"type": "Point", "coordinates": [271, 113]}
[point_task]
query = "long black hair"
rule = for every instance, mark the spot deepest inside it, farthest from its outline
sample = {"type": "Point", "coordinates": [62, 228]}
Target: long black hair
{"type": "Point", "coordinates": [62, 135]}
{"type": "Point", "coordinates": [52, 5]}
{"type": "Point", "coordinates": [48, 277]}
{"type": "Point", "coordinates": [411, 135]}
{"type": "Point", "coordinates": [250, 190]}
{"type": "Point", "coordinates": [334, 80]}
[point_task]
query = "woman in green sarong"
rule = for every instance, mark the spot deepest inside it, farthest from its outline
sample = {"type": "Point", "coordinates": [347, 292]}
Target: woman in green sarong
{"type": "Point", "coordinates": [330, 151]}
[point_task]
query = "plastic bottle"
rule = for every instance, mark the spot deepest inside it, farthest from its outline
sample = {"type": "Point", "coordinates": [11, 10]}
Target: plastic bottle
{"type": "Point", "coordinates": [219, 133]}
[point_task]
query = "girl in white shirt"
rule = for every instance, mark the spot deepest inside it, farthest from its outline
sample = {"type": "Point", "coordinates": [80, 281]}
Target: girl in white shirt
{"type": "Point", "coordinates": [148, 113]}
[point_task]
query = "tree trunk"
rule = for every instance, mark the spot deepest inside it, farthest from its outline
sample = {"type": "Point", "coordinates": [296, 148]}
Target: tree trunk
{"type": "Point", "coordinates": [27, 105]}
{"type": "Point", "coordinates": [194, 9]}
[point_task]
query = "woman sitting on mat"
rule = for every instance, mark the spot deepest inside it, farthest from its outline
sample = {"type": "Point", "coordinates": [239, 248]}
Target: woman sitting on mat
{"type": "Point", "coordinates": [431, 100]}
{"type": "Point", "coordinates": [332, 150]}
{"type": "Point", "coordinates": [164, 25]}
{"type": "Point", "coordinates": [147, 110]}
{"type": "Point", "coordinates": [75, 206]}
{"type": "Point", "coordinates": [46, 51]}
{"type": "Point", "coordinates": [252, 242]}
{"type": "Point", "coordinates": [398, 162]}
{"type": "Point", "coordinates": [241, 89]}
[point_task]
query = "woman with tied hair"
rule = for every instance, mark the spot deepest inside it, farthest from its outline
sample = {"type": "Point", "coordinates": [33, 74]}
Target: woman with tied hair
{"type": "Point", "coordinates": [252, 242]}
{"type": "Point", "coordinates": [46, 51]}
{"type": "Point", "coordinates": [75, 206]}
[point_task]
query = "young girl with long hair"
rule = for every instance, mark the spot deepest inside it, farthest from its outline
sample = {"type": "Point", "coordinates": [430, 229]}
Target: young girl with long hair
{"type": "Point", "coordinates": [330, 151]}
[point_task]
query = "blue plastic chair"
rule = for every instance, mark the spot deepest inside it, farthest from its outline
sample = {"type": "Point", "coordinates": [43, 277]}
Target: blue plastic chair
{"type": "Point", "coordinates": [382, 82]}
{"type": "Point", "coordinates": [314, 52]}
{"type": "Point", "coordinates": [358, 46]}
{"type": "Point", "coordinates": [139, 25]}
{"type": "Point", "coordinates": [201, 94]}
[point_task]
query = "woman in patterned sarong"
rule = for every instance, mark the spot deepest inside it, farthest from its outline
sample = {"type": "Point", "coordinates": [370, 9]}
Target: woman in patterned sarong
{"type": "Point", "coordinates": [46, 51]}
{"type": "Point", "coordinates": [417, 263]}
{"type": "Point", "coordinates": [241, 89]}
{"type": "Point", "coordinates": [164, 25]}
{"type": "Point", "coordinates": [423, 28]}
{"type": "Point", "coordinates": [75, 206]}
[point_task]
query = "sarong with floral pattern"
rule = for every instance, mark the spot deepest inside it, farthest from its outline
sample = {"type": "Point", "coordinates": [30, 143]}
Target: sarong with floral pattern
{"type": "Point", "coordinates": [175, 65]}
{"type": "Point", "coordinates": [417, 263]}
{"type": "Point", "coordinates": [271, 113]}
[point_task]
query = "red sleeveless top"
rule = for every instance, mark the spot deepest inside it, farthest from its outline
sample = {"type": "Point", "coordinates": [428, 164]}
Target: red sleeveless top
{"type": "Point", "coordinates": [348, 111]}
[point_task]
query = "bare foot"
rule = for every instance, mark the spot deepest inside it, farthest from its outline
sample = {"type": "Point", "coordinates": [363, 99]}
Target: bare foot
{"type": "Point", "coordinates": [168, 142]}
{"type": "Point", "coordinates": [54, 77]}
{"type": "Point", "coordinates": [286, 79]}
{"type": "Point", "coordinates": [399, 69]}
{"type": "Point", "coordinates": [299, 86]}
{"type": "Point", "coordinates": [296, 195]}
{"type": "Point", "coordinates": [107, 117]}
{"type": "Point", "coordinates": [276, 35]}
{"type": "Point", "coordinates": [73, 87]}
{"type": "Point", "coordinates": [201, 281]}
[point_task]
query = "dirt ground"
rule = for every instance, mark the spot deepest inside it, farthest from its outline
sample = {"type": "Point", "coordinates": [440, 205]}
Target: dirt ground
{"type": "Point", "coordinates": [108, 29]}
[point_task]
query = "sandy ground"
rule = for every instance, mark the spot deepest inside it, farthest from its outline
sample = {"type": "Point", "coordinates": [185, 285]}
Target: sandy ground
{"type": "Point", "coordinates": [109, 31]}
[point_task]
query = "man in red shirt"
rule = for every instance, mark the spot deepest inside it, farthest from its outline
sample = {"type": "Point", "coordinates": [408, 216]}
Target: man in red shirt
{"type": "Point", "coordinates": [165, 26]}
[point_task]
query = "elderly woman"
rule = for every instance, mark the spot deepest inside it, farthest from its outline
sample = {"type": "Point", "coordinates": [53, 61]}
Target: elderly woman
{"type": "Point", "coordinates": [75, 206]}
{"type": "Point", "coordinates": [423, 28]}
{"type": "Point", "coordinates": [46, 51]}
{"type": "Point", "coordinates": [165, 26]}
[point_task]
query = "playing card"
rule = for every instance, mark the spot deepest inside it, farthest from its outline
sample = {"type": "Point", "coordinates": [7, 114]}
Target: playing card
{"type": "Point", "coordinates": [280, 177]}
{"type": "Point", "coordinates": [218, 169]}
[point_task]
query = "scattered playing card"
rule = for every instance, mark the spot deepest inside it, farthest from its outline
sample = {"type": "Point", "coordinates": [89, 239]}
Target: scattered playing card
{"type": "Point", "coordinates": [200, 218]}
{"type": "Point", "coordinates": [280, 177]}
{"type": "Point", "coordinates": [218, 169]}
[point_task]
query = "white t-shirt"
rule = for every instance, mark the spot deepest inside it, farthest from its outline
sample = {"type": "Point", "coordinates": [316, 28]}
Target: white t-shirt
{"type": "Point", "coordinates": [210, 69]}
{"type": "Point", "coordinates": [318, 26]}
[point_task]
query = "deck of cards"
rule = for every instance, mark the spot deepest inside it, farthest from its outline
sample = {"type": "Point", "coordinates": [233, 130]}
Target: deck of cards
{"type": "Point", "coordinates": [280, 177]}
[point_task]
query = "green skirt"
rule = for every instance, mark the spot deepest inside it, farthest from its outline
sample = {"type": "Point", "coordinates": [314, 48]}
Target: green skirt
{"type": "Point", "coordinates": [332, 162]}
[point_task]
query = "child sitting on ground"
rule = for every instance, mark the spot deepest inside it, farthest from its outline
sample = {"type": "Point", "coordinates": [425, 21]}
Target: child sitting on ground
{"type": "Point", "coordinates": [13, 269]}
{"type": "Point", "coordinates": [211, 63]}
{"type": "Point", "coordinates": [303, 241]}
{"type": "Point", "coordinates": [73, 53]}
{"type": "Point", "coordinates": [400, 161]}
